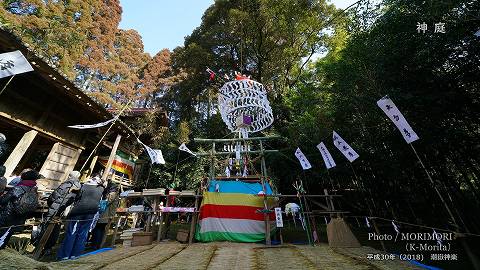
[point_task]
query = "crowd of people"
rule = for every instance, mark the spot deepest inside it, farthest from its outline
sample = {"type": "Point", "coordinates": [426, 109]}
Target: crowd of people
{"type": "Point", "coordinates": [82, 209]}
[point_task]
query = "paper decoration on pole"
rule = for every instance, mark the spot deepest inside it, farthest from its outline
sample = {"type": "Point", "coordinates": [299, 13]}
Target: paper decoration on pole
{"type": "Point", "coordinates": [436, 235]}
{"type": "Point", "coordinates": [344, 147]}
{"type": "Point", "coordinates": [94, 125]}
{"type": "Point", "coordinates": [13, 63]}
{"type": "Point", "coordinates": [327, 158]}
{"type": "Point", "coordinates": [184, 148]}
{"type": "Point", "coordinates": [4, 236]}
{"type": "Point", "coordinates": [278, 217]}
{"type": "Point", "coordinates": [389, 108]}
{"type": "Point", "coordinates": [245, 98]}
{"type": "Point", "coordinates": [303, 159]}
{"type": "Point", "coordinates": [245, 170]}
{"type": "Point", "coordinates": [156, 156]}
{"type": "Point", "coordinates": [396, 230]}
{"type": "Point", "coordinates": [366, 221]}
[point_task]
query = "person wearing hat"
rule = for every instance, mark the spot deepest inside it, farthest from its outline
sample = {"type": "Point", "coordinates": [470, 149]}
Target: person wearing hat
{"type": "Point", "coordinates": [81, 218]}
{"type": "Point", "coordinates": [17, 205]}
{"type": "Point", "coordinates": [62, 197]}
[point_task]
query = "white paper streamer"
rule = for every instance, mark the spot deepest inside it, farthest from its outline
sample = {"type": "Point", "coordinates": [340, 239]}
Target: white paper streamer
{"type": "Point", "coordinates": [396, 229]}
{"type": "Point", "coordinates": [12, 63]}
{"type": "Point", "coordinates": [94, 125]}
{"type": "Point", "coordinates": [368, 223]}
{"type": "Point", "coordinates": [344, 147]}
{"type": "Point", "coordinates": [389, 108]}
{"type": "Point", "coordinates": [303, 159]}
{"type": "Point", "coordinates": [156, 156]}
{"type": "Point", "coordinates": [435, 234]}
{"type": "Point", "coordinates": [184, 148]}
{"type": "Point", "coordinates": [327, 158]}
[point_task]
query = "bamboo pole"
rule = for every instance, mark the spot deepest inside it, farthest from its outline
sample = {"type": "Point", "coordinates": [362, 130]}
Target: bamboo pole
{"type": "Point", "coordinates": [104, 135]}
{"type": "Point", "coordinates": [5, 86]}
{"type": "Point", "coordinates": [266, 215]}
{"type": "Point", "coordinates": [473, 258]}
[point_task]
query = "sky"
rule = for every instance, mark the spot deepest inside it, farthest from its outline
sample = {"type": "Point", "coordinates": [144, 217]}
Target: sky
{"type": "Point", "coordinates": [166, 23]}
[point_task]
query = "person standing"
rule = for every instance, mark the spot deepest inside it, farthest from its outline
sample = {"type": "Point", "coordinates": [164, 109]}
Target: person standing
{"type": "Point", "coordinates": [63, 196]}
{"type": "Point", "coordinates": [111, 200]}
{"type": "Point", "coordinates": [18, 204]}
{"type": "Point", "coordinates": [81, 218]}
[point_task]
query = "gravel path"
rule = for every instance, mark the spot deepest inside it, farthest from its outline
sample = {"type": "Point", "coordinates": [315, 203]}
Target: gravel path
{"type": "Point", "coordinates": [173, 255]}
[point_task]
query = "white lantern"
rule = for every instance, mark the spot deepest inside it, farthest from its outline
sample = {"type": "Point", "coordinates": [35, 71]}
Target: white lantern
{"type": "Point", "coordinates": [244, 106]}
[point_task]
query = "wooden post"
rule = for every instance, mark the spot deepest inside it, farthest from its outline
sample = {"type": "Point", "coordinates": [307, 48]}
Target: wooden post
{"type": "Point", "coordinates": [194, 222]}
{"type": "Point", "coordinates": [19, 151]}
{"type": "Point", "coordinates": [111, 158]}
{"type": "Point", "coordinates": [37, 253]}
{"type": "Point", "coordinates": [162, 218]}
{"type": "Point", "coordinates": [118, 220]}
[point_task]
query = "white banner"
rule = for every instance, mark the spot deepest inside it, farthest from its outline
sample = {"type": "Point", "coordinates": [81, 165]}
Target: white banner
{"type": "Point", "coordinates": [327, 158]}
{"type": "Point", "coordinates": [344, 147]}
{"type": "Point", "coordinates": [303, 159]}
{"type": "Point", "coordinates": [389, 108]}
{"type": "Point", "coordinates": [278, 217]}
{"type": "Point", "coordinates": [94, 125]}
{"type": "Point", "coordinates": [155, 155]}
{"type": "Point", "coordinates": [12, 63]}
{"type": "Point", "coordinates": [183, 147]}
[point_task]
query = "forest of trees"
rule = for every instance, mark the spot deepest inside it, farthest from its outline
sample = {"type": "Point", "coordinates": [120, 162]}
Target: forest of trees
{"type": "Point", "coordinates": [324, 70]}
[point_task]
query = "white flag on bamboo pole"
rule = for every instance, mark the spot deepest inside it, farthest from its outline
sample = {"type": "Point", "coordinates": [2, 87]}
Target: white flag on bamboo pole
{"type": "Point", "coordinates": [303, 159]}
{"type": "Point", "coordinates": [183, 147]}
{"type": "Point", "coordinates": [13, 63]}
{"type": "Point", "coordinates": [389, 108]}
{"type": "Point", "coordinates": [94, 125]}
{"type": "Point", "coordinates": [327, 158]}
{"type": "Point", "coordinates": [344, 147]}
{"type": "Point", "coordinates": [156, 156]}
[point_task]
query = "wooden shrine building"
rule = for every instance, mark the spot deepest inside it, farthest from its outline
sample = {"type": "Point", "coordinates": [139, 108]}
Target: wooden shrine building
{"type": "Point", "coordinates": [35, 110]}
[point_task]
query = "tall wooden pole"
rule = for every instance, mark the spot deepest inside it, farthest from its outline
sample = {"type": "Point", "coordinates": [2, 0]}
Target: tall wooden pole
{"type": "Point", "coordinates": [266, 215]}
{"type": "Point", "coordinates": [194, 221]}
{"type": "Point", "coordinates": [111, 158]}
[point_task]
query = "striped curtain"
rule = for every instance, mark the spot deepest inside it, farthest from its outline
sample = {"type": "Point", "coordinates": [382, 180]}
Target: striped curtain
{"type": "Point", "coordinates": [231, 213]}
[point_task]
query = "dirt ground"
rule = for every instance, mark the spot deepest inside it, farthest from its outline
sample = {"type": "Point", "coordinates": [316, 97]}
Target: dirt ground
{"type": "Point", "coordinates": [173, 255]}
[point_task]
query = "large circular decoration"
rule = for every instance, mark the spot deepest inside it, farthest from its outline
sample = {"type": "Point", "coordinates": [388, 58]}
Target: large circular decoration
{"type": "Point", "coordinates": [244, 106]}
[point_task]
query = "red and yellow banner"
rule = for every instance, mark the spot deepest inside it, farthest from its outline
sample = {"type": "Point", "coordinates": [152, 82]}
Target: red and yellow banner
{"type": "Point", "coordinates": [122, 163]}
